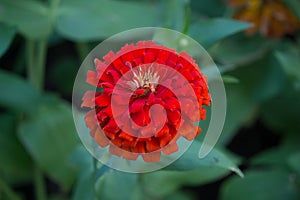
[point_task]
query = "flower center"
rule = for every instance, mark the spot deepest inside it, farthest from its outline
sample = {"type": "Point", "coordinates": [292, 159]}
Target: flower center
{"type": "Point", "coordinates": [143, 78]}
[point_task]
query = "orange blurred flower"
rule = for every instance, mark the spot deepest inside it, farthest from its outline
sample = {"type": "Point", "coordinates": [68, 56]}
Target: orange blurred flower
{"type": "Point", "coordinates": [270, 17]}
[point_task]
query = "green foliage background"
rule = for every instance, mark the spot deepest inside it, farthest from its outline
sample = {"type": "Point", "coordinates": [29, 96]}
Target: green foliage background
{"type": "Point", "coordinates": [42, 44]}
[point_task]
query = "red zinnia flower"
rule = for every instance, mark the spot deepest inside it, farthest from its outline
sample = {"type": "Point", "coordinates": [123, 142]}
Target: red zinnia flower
{"type": "Point", "coordinates": [125, 114]}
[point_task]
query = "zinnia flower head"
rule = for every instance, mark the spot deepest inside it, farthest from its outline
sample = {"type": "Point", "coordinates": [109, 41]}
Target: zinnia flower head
{"type": "Point", "coordinates": [151, 96]}
{"type": "Point", "coordinates": [269, 17]}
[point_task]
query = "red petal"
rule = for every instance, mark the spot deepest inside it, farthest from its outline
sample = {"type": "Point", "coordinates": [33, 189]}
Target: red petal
{"type": "Point", "coordinates": [137, 105]}
{"type": "Point", "coordinates": [100, 138]}
{"type": "Point", "coordinates": [141, 118]}
{"type": "Point", "coordinates": [162, 57]}
{"type": "Point", "coordinates": [102, 100]}
{"type": "Point", "coordinates": [100, 66]}
{"type": "Point", "coordinates": [172, 104]}
{"type": "Point", "coordinates": [91, 120]}
{"type": "Point", "coordinates": [88, 99]}
{"type": "Point", "coordinates": [174, 117]}
{"type": "Point", "coordinates": [128, 143]}
{"type": "Point", "coordinates": [170, 148]}
{"type": "Point", "coordinates": [92, 78]}
{"type": "Point", "coordinates": [189, 130]}
{"type": "Point", "coordinates": [147, 131]}
{"type": "Point", "coordinates": [172, 61]}
{"type": "Point", "coordinates": [152, 145]}
{"type": "Point", "coordinates": [152, 157]}
{"type": "Point", "coordinates": [163, 141]}
{"type": "Point", "coordinates": [138, 61]}
{"type": "Point", "coordinates": [164, 93]}
{"type": "Point", "coordinates": [111, 126]}
{"type": "Point", "coordinates": [149, 57]}
{"type": "Point", "coordinates": [140, 91]}
{"type": "Point", "coordinates": [151, 99]}
{"type": "Point", "coordinates": [114, 74]}
{"type": "Point", "coordinates": [113, 149]}
{"type": "Point", "coordinates": [163, 131]}
{"type": "Point", "coordinates": [127, 154]}
{"type": "Point", "coordinates": [139, 148]}
{"type": "Point", "coordinates": [128, 58]}
{"type": "Point", "coordinates": [118, 63]}
{"type": "Point", "coordinates": [126, 136]}
{"type": "Point", "coordinates": [108, 58]}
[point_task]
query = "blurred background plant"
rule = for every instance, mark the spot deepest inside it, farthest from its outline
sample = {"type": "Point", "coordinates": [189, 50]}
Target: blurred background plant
{"type": "Point", "coordinates": [42, 44]}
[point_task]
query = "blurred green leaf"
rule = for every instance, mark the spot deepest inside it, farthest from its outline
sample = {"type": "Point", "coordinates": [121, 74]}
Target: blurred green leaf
{"type": "Point", "coordinates": [216, 158]}
{"type": "Point", "coordinates": [115, 185]}
{"type": "Point", "coordinates": [180, 196]}
{"type": "Point", "coordinates": [294, 5]}
{"type": "Point", "coordinates": [175, 14]}
{"type": "Point", "coordinates": [230, 52]}
{"type": "Point", "coordinates": [83, 161]}
{"type": "Point", "coordinates": [16, 165]}
{"type": "Point", "coordinates": [30, 17]}
{"type": "Point", "coordinates": [162, 183]}
{"type": "Point", "coordinates": [16, 93]}
{"type": "Point", "coordinates": [7, 34]}
{"type": "Point", "coordinates": [278, 156]}
{"type": "Point", "coordinates": [100, 19]}
{"type": "Point", "coordinates": [289, 59]}
{"type": "Point", "coordinates": [230, 79]}
{"type": "Point", "coordinates": [57, 197]}
{"type": "Point", "coordinates": [212, 8]}
{"type": "Point", "coordinates": [294, 162]}
{"type": "Point", "coordinates": [49, 136]}
{"type": "Point", "coordinates": [207, 32]}
{"type": "Point", "coordinates": [57, 74]}
{"type": "Point", "coordinates": [244, 98]}
{"type": "Point", "coordinates": [286, 116]}
{"type": "Point", "coordinates": [261, 185]}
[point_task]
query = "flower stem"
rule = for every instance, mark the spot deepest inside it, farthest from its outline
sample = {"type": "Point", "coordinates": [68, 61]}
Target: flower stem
{"type": "Point", "coordinates": [36, 54]}
{"type": "Point", "coordinates": [30, 62]}
{"type": "Point", "coordinates": [10, 194]}
{"type": "Point", "coordinates": [41, 61]}
{"type": "Point", "coordinates": [39, 184]}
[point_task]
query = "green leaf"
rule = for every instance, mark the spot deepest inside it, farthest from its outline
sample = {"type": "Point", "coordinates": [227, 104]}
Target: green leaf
{"type": "Point", "coordinates": [16, 93]}
{"type": "Point", "coordinates": [294, 6]}
{"type": "Point", "coordinates": [16, 165]}
{"type": "Point", "coordinates": [115, 185]}
{"type": "Point", "coordinates": [49, 136]}
{"type": "Point", "coordinates": [7, 34]}
{"type": "Point", "coordinates": [294, 162]}
{"type": "Point", "coordinates": [179, 195]}
{"type": "Point", "coordinates": [290, 61]}
{"type": "Point", "coordinates": [100, 19]}
{"type": "Point", "coordinates": [231, 52]}
{"type": "Point", "coordinates": [278, 156]}
{"type": "Point", "coordinates": [57, 74]}
{"type": "Point", "coordinates": [230, 79]}
{"type": "Point", "coordinates": [83, 161]}
{"type": "Point", "coordinates": [261, 185]}
{"type": "Point", "coordinates": [30, 17]}
{"type": "Point", "coordinates": [175, 14]}
{"type": "Point", "coordinates": [287, 104]}
{"type": "Point", "coordinates": [164, 182]}
{"type": "Point", "coordinates": [243, 98]}
{"type": "Point", "coordinates": [207, 32]}
{"type": "Point", "coordinates": [216, 158]}
{"type": "Point", "coordinates": [212, 8]}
